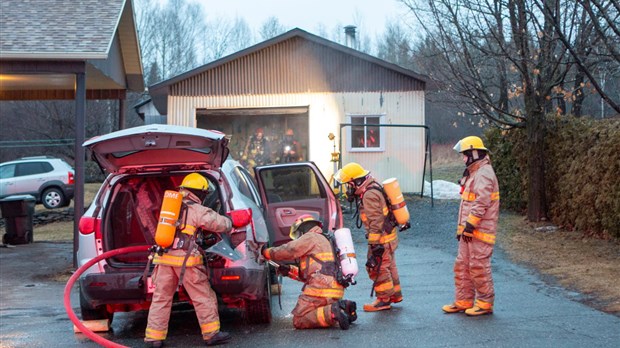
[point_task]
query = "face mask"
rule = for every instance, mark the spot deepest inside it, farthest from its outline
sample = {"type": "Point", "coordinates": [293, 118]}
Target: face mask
{"type": "Point", "coordinates": [350, 193]}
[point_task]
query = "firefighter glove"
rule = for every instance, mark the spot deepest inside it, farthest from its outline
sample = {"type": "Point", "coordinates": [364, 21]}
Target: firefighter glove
{"type": "Point", "coordinates": [284, 270]}
{"type": "Point", "coordinates": [265, 252]}
{"type": "Point", "coordinates": [377, 250]}
{"type": "Point", "coordinates": [468, 232]}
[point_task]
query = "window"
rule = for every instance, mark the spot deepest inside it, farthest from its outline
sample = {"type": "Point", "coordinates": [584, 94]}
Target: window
{"type": "Point", "coordinates": [291, 184]}
{"type": "Point", "coordinates": [7, 171]}
{"type": "Point", "coordinates": [245, 183]}
{"type": "Point", "coordinates": [31, 168]}
{"type": "Point", "coordinates": [365, 134]}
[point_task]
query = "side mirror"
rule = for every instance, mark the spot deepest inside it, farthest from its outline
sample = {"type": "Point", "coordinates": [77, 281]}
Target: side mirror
{"type": "Point", "coordinates": [240, 217]}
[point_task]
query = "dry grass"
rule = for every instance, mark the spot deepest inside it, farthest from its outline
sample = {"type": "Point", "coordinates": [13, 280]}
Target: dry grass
{"type": "Point", "coordinates": [587, 265]}
{"type": "Point", "coordinates": [447, 163]}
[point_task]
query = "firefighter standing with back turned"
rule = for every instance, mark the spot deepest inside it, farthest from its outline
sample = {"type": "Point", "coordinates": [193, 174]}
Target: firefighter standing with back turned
{"type": "Point", "coordinates": [380, 232]}
{"type": "Point", "coordinates": [169, 267]}
{"type": "Point", "coordinates": [477, 226]}
{"type": "Point", "coordinates": [320, 304]}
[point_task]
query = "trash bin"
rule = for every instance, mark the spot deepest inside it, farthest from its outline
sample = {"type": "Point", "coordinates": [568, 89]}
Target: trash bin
{"type": "Point", "coordinates": [18, 212]}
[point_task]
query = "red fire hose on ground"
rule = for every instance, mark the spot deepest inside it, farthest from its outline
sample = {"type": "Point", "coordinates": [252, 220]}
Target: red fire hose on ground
{"type": "Point", "coordinates": [67, 295]}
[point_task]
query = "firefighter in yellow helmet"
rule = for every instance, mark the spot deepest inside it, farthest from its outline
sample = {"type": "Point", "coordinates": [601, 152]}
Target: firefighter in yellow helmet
{"type": "Point", "coordinates": [477, 226]}
{"type": "Point", "coordinates": [320, 303]}
{"type": "Point", "coordinates": [380, 232]}
{"type": "Point", "coordinates": [169, 267]}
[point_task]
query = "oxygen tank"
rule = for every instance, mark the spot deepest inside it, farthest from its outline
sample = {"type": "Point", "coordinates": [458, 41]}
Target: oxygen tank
{"type": "Point", "coordinates": [168, 216]}
{"type": "Point", "coordinates": [348, 262]}
{"type": "Point", "coordinates": [397, 201]}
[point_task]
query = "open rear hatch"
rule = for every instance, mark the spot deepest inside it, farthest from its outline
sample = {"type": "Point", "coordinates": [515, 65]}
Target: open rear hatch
{"type": "Point", "coordinates": [158, 148]}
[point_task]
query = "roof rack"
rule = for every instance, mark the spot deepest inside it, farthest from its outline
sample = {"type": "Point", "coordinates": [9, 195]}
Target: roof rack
{"type": "Point", "coordinates": [36, 157]}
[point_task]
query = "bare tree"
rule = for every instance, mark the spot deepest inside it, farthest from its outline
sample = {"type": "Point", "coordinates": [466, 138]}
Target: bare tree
{"type": "Point", "coordinates": [223, 36]}
{"type": "Point", "coordinates": [169, 36]}
{"type": "Point", "coordinates": [505, 58]}
{"type": "Point", "coordinates": [271, 28]}
{"type": "Point", "coordinates": [395, 45]}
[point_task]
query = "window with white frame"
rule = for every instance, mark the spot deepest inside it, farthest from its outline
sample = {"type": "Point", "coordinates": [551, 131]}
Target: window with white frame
{"type": "Point", "coordinates": [365, 134]}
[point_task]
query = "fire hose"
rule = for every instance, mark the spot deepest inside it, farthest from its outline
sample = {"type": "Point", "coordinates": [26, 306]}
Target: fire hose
{"type": "Point", "coordinates": [67, 294]}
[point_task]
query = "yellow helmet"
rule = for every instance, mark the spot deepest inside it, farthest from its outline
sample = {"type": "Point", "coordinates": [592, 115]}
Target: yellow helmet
{"type": "Point", "coordinates": [350, 172]}
{"type": "Point", "coordinates": [295, 232]}
{"type": "Point", "coordinates": [195, 181]}
{"type": "Point", "coordinates": [469, 143]}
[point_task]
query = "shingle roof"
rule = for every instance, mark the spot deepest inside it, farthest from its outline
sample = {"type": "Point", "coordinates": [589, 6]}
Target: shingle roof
{"type": "Point", "coordinates": [58, 28]}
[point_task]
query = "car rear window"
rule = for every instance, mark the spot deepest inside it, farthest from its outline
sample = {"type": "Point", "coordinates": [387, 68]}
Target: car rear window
{"type": "Point", "coordinates": [32, 168]}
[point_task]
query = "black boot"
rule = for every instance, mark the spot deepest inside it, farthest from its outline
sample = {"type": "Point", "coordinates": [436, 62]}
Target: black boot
{"type": "Point", "coordinates": [340, 316]}
{"type": "Point", "coordinates": [219, 338]}
{"type": "Point", "coordinates": [350, 307]}
{"type": "Point", "coordinates": [155, 344]}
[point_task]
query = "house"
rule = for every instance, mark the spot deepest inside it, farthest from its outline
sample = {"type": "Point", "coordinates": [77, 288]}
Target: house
{"type": "Point", "coordinates": [311, 85]}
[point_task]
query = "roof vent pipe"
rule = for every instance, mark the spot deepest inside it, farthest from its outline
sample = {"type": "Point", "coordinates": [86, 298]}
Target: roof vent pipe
{"type": "Point", "coordinates": [349, 33]}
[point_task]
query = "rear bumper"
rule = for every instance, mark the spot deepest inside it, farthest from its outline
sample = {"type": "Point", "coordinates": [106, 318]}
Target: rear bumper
{"type": "Point", "coordinates": [116, 288]}
{"type": "Point", "coordinates": [249, 284]}
{"type": "Point", "coordinates": [69, 191]}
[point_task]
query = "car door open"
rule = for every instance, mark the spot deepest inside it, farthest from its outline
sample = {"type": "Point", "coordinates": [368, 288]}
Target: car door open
{"type": "Point", "coordinates": [291, 190]}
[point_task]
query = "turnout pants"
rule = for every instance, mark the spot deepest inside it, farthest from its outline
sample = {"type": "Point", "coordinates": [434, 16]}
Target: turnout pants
{"type": "Point", "coordinates": [386, 279]}
{"type": "Point", "coordinates": [313, 312]}
{"type": "Point", "coordinates": [196, 284]}
{"type": "Point", "coordinates": [472, 274]}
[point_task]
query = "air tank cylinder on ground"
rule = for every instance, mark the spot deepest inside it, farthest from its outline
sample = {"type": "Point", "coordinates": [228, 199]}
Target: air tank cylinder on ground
{"type": "Point", "coordinates": [348, 262]}
{"type": "Point", "coordinates": [397, 201]}
{"type": "Point", "coordinates": [168, 216]}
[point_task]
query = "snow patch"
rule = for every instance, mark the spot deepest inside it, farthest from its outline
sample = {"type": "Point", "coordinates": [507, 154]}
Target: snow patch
{"type": "Point", "coordinates": [442, 189]}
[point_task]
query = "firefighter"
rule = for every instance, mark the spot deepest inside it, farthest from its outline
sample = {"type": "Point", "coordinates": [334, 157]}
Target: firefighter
{"type": "Point", "coordinates": [477, 226]}
{"type": "Point", "coordinates": [257, 151]}
{"type": "Point", "coordinates": [320, 303]}
{"type": "Point", "coordinates": [380, 233]}
{"type": "Point", "coordinates": [290, 148]}
{"type": "Point", "coordinates": [170, 265]}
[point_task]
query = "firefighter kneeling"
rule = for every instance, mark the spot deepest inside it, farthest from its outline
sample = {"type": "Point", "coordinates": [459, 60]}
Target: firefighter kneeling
{"type": "Point", "coordinates": [321, 303]}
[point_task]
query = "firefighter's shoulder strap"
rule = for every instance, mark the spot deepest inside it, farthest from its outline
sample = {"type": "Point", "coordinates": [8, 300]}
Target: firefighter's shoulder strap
{"type": "Point", "coordinates": [332, 268]}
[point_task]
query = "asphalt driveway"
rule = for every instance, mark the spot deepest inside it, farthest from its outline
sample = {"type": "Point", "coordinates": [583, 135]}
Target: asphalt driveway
{"type": "Point", "coordinates": [528, 312]}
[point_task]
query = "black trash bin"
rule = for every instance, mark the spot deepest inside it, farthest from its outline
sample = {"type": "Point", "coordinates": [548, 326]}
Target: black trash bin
{"type": "Point", "coordinates": [18, 212]}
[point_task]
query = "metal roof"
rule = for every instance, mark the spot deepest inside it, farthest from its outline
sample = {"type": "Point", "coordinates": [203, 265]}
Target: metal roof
{"type": "Point", "coordinates": [284, 37]}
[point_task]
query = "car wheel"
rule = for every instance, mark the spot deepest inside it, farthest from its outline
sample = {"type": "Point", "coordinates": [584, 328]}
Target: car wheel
{"type": "Point", "coordinates": [53, 198]}
{"type": "Point", "coordinates": [259, 311]}
{"type": "Point", "coordinates": [96, 313]}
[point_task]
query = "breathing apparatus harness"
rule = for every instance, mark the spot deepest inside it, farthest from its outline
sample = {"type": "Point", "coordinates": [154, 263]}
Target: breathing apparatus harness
{"type": "Point", "coordinates": [185, 242]}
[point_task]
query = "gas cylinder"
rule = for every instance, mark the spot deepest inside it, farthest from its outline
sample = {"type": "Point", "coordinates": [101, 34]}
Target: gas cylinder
{"type": "Point", "coordinates": [168, 216]}
{"type": "Point", "coordinates": [344, 242]}
{"type": "Point", "coordinates": [397, 201]}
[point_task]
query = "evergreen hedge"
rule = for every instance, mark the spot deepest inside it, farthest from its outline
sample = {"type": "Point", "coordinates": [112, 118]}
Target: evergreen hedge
{"type": "Point", "coordinates": [582, 174]}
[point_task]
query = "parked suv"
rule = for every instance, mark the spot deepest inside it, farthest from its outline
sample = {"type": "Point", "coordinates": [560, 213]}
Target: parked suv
{"type": "Point", "coordinates": [142, 163]}
{"type": "Point", "coordinates": [50, 180]}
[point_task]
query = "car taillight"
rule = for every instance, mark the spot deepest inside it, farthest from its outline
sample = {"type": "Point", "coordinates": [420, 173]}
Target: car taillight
{"type": "Point", "coordinates": [71, 179]}
{"type": "Point", "coordinates": [89, 225]}
{"type": "Point", "coordinates": [230, 277]}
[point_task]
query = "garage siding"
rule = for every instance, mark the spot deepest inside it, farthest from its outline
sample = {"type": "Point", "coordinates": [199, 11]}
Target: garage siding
{"type": "Point", "coordinates": [403, 157]}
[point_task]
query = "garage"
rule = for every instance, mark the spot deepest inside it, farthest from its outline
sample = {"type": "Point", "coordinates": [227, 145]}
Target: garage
{"type": "Point", "coordinates": [315, 87]}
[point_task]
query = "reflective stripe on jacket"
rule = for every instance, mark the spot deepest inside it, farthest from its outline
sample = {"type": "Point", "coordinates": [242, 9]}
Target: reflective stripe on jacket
{"type": "Point", "coordinates": [480, 201]}
{"type": "Point", "coordinates": [311, 243]}
{"type": "Point", "coordinates": [198, 216]}
{"type": "Point", "coordinates": [373, 211]}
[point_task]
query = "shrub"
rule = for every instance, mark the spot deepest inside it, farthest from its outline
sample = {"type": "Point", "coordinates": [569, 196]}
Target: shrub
{"type": "Point", "coordinates": [583, 161]}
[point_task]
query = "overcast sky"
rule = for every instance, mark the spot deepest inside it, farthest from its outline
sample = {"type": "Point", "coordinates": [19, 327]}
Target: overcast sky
{"type": "Point", "coordinates": [309, 14]}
